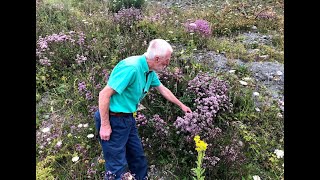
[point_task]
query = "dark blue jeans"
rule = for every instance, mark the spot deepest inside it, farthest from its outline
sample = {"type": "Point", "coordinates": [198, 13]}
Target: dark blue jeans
{"type": "Point", "coordinates": [124, 149]}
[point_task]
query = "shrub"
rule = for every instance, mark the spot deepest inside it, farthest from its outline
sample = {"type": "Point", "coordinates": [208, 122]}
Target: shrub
{"type": "Point", "coordinates": [61, 50]}
{"type": "Point", "coordinates": [200, 26]}
{"type": "Point", "coordinates": [116, 5]}
{"type": "Point", "coordinates": [126, 18]}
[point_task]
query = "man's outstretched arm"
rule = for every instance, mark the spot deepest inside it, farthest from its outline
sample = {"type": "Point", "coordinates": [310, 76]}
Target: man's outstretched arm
{"type": "Point", "coordinates": [166, 93]}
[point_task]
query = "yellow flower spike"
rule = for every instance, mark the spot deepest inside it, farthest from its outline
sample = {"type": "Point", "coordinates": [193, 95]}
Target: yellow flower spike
{"type": "Point", "coordinates": [135, 114]}
{"type": "Point", "coordinates": [196, 138]}
{"type": "Point", "coordinates": [201, 147]}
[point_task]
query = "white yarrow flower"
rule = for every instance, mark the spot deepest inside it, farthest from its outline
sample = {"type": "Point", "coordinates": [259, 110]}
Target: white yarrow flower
{"type": "Point", "coordinates": [232, 71]}
{"type": "Point", "coordinates": [90, 136]}
{"type": "Point", "coordinates": [171, 32]}
{"type": "Point", "coordinates": [86, 125]}
{"type": "Point", "coordinates": [75, 159]}
{"type": "Point", "coordinates": [80, 125]}
{"type": "Point", "coordinates": [256, 177]}
{"type": "Point", "coordinates": [279, 153]}
{"type": "Point", "coordinates": [256, 94]}
{"type": "Point", "coordinates": [257, 109]}
{"type": "Point", "coordinates": [59, 143]}
{"type": "Point", "coordinates": [45, 130]}
{"type": "Point", "coordinates": [243, 83]}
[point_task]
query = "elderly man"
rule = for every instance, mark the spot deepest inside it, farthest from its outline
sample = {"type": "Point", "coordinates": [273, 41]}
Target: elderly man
{"type": "Point", "coordinates": [128, 83]}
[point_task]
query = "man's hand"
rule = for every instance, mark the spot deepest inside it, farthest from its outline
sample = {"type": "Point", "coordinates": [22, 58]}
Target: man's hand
{"type": "Point", "coordinates": [105, 132]}
{"type": "Point", "coordinates": [186, 109]}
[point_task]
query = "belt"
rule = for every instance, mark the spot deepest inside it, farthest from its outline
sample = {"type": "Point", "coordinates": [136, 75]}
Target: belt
{"type": "Point", "coordinates": [120, 114]}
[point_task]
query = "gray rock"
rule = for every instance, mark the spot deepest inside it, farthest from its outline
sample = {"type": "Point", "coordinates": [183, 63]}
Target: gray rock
{"type": "Point", "coordinates": [256, 38]}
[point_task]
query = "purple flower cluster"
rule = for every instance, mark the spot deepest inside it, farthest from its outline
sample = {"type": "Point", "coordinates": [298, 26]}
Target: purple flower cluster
{"type": "Point", "coordinates": [211, 98]}
{"type": "Point", "coordinates": [160, 126]}
{"type": "Point", "coordinates": [98, 86]}
{"type": "Point", "coordinates": [210, 161]}
{"type": "Point", "coordinates": [105, 75]}
{"type": "Point", "coordinates": [160, 14]}
{"type": "Point", "coordinates": [82, 87]}
{"type": "Point", "coordinates": [93, 109]}
{"type": "Point", "coordinates": [71, 36]}
{"type": "Point", "coordinates": [92, 170]}
{"type": "Point", "coordinates": [80, 59]}
{"type": "Point", "coordinates": [109, 176]}
{"type": "Point", "coordinates": [127, 17]}
{"type": "Point", "coordinates": [195, 123]}
{"type": "Point", "coordinates": [154, 18]}
{"type": "Point", "coordinates": [168, 77]}
{"type": "Point", "coordinates": [145, 142]}
{"type": "Point", "coordinates": [45, 61]}
{"type": "Point", "coordinates": [230, 152]}
{"type": "Point", "coordinates": [141, 119]}
{"type": "Point", "coordinates": [44, 44]}
{"type": "Point", "coordinates": [88, 95]}
{"type": "Point", "coordinates": [45, 137]}
{"type": "Point", "coordinates": [81, 37]}
{"type": "Point", "coordinates": [128, 176]}
{"type": "Point", "coordinates": [80, 148]}
{"type": "Point", "coordinates": [200, 26]}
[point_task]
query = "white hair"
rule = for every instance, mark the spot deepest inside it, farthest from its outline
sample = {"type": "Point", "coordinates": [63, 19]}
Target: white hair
{"type": "Point", "coordinates": [158, 47]}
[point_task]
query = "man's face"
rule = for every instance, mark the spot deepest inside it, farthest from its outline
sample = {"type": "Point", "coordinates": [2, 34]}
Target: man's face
{"type": "Point", "coordinates": [162, 63]}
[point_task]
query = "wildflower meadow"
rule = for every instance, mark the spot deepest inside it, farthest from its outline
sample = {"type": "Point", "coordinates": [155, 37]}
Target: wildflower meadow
{"type": "Point", "coordinates": [236, 128]}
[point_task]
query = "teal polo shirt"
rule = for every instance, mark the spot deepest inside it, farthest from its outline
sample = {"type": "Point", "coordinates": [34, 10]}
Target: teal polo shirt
{"type": "Point", "coordinates": [128, 79]}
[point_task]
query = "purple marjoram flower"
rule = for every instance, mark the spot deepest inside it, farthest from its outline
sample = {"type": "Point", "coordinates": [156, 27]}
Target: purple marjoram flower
{"type": "Point", "coordinates": [45, 61]}
{"type": "Point", "coordinates": [199, 26]}
{"type": "Point", "coordinates": [88, 95]}
{"type": "Point", "coordinates": [82, 87]}
{"type": "Point", "coordinates": [80, 59]}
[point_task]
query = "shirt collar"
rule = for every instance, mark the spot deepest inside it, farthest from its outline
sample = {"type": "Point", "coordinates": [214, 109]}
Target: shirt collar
{"type": "Point", "coordinates": [145, 67]}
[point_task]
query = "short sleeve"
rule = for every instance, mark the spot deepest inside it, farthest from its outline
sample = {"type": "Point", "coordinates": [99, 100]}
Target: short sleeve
{"type": "Point", "coordinates": [155, 80]}
{"type": "Point", "coordinates": [121, 76]}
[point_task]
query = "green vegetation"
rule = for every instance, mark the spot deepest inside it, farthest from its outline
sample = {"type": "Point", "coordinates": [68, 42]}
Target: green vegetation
{"type": "Point", "coordinates": [80, 41]}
